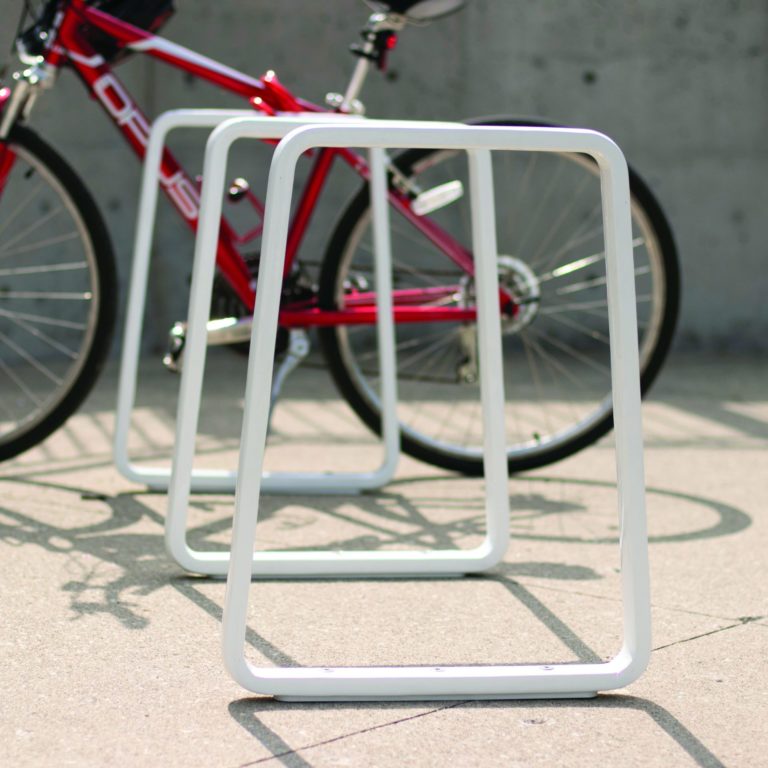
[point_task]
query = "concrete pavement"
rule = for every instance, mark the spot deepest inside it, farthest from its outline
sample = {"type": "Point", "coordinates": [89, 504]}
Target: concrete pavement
{"type": "Point", "coordinates": [110, 654]}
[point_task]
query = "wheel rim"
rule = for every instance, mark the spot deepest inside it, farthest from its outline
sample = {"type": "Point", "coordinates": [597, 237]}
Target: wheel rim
{"type": "Point", "coordinates": [49, 295]}
{"type": "Point", "coordinates": [549, 248]}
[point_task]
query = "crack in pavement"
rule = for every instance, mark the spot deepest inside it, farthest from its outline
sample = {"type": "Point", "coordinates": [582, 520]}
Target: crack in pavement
{"type": "Point", "coordinates": [740, 623]}
{"type": "Point", "coordinates": [654, 606]}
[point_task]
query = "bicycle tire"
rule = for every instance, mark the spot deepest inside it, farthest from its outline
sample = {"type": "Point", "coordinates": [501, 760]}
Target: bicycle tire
{"type": "Point", "coordinates": [533, 447]}
{"type": "Point", "coordinates": [57, 293]}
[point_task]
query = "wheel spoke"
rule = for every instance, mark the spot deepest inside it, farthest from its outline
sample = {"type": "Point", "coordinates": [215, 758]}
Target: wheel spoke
{"type": "Point", "coordinates": [45, 338]}
{"type": "Point", "coordinates": [22, 206]}
{"type": "Point", "coordinates": [580, 237]}
{"type": "Point", "coordinates": [553, 363]}
{"type": "Point", "coordinates": [520, 195]}
{"type": "Point", "coordinates": [574, 266]}
{"type": "Point", "coordinates": [583, 306]}
{"type": "Point", "coordinates": [583, 329]}
{"type": "Point", "coordinates": [24, 355]}
{"type": "Point", "coordinates": [563, 347]}
{"type": "Point", "coordinates": [428, 351]}
{"type": "Point", "coordinates": [401, 346]}
{"type": "Point", "coordinates": [31, 228]}
{"type": "Point", "coordinates": [53, 295]}
{"type": "Point", "coordinates": [44, 244]}
{"type": "Point", "coordinates": [59, 323]}
{"type": "Point", "coordinates": [554, 228]}
{"type": "Point", "coordinates": [541, 205]}
{"type": "Point", "coordinates": [587, 261]}
{"type": "Point", "coordinates": [20, 384]}
{"type": "Point", "coordinates": [586, 285]}
{"type": "Point", "coordinates": [530, 347]}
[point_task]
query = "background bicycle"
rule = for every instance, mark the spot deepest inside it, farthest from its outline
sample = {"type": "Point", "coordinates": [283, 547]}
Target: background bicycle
{"type": "Point", "coordinates": [551, 263]}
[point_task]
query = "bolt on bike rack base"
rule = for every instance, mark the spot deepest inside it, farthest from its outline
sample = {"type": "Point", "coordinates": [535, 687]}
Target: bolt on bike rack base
{"type": "Point", "coordinates": [211, 480]}
{"type": "Point", "coordinates": [432, 682]}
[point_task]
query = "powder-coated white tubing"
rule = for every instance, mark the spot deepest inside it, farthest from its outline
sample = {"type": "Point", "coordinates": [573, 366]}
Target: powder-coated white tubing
{"type": "Point", "coordinates": [427, 682]}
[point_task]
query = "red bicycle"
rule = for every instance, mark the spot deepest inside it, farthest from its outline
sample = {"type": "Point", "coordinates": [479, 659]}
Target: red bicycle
{"type": "Point", "coordinates": [57, 274]}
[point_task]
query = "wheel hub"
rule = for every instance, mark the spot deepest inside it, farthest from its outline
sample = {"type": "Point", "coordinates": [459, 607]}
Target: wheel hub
{"type": "Point", "coordinates": [520, 281]}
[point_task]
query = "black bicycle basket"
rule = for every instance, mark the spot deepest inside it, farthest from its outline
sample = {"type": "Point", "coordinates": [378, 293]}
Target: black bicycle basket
{"type": "Point", "coordinates": [146, 14]}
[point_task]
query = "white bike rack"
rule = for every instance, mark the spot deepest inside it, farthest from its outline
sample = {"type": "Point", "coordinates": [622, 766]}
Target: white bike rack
{"type": "Point", "coordinates": [213, 480]}
{"type": "Point", "coordinates": [429, 682]}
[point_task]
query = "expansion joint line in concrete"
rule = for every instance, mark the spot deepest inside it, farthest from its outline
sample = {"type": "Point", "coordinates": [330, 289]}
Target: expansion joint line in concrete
{"type": "Point", "coordinates": [743, 620]}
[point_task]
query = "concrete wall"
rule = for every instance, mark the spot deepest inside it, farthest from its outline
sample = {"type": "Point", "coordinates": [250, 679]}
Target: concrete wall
{"type": "Point", "coordinates": [680, 84]}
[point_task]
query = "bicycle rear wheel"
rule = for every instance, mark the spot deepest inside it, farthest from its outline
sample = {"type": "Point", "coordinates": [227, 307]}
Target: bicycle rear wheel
{"type": "Point", "coordinates": [556, 352]}
{"type": "Point", "coordinates": [57, 291]}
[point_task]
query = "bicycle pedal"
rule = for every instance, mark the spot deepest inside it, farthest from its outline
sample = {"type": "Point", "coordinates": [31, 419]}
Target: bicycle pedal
{"type": "Point", "coordinates": [437, 197]}
{"type": "Point", "coordinates": [229, 330]}
{"type": "Point", "coordinates": [177, 338]}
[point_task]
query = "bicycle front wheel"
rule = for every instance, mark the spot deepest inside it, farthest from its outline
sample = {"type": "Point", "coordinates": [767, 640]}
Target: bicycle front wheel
{"type": "Point", "coordinates": [57, 291]}
{"type": "Point", "coordinates": [556, 348]}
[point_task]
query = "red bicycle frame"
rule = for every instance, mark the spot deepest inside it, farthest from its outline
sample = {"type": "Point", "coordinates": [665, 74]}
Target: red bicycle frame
{"type": "Point", "coordinates": [69, 45]}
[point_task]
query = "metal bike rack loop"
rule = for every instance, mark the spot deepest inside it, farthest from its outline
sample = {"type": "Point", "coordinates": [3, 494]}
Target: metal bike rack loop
{"type": "Point", "coordinates": [449, 682]}
{"type": "Point", "coordinates": [213, 480]}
